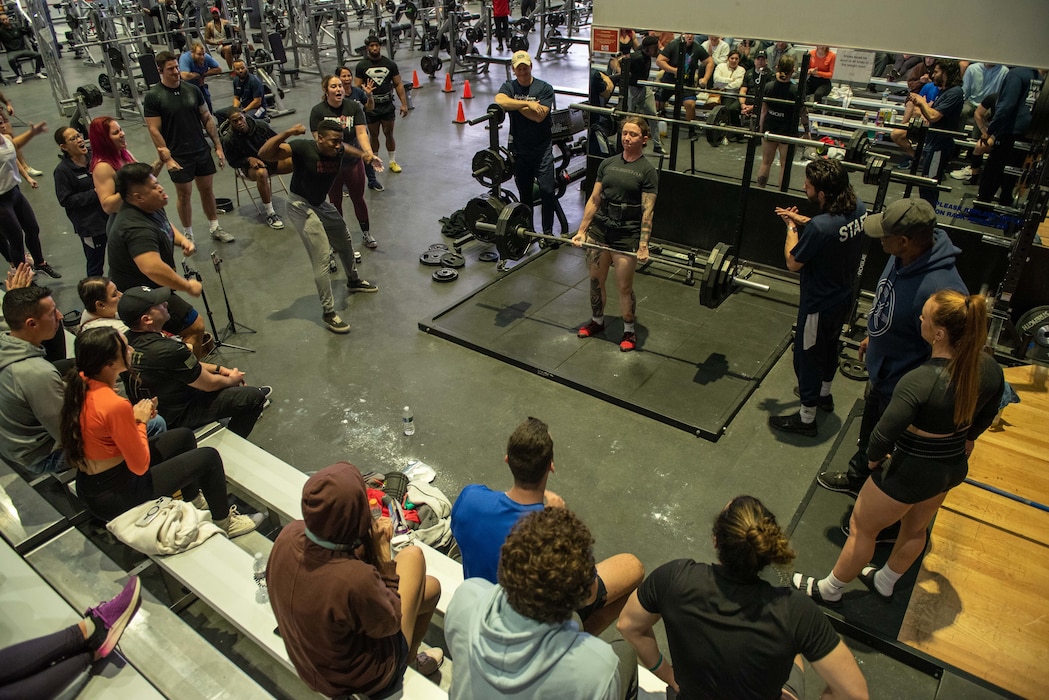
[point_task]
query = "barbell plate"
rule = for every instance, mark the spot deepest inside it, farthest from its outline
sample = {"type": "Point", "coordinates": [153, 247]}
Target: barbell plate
{"type": "Point", "coordinates": [488, 256]}
{"type": "Point", "coordinates": [431, 257]}
{"type": "Point", "coordinates": [509, 241]}
{"type": "Point", "coordinates": [708, 285]}
{"type": "Point", "coordinates": [445, 274]}
{"type": "Point", "coordinates": [728, 271]}
{"type": "Point", "coordinates": [477, 211]}
{"type": "Point", "coordinates": [438, 246]}
{"type": "Point", "coordinates": [452, 260]}
{"type": "Point", "coordinates": [856, 149]}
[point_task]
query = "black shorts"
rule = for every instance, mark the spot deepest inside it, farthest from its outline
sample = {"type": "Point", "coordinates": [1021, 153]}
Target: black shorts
{"type": "Point", "coordinates": [398, 674]}
{"type": "Point", "coordinates": [616, 239]}
{"type": "Point", "coordinates": [385, 112]}
{"type": "Point", "coordinates": [907, 478]}
{"type": "Point", "coordinates": [182, 314]}
{"type": "Point", "coordinates": [194, 165]}
{"type": "Point", "coordinates": [599, 602]}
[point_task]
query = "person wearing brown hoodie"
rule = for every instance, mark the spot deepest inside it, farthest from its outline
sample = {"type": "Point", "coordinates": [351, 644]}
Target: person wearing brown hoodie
{"type": "Point", "coordinates": [351, 615]}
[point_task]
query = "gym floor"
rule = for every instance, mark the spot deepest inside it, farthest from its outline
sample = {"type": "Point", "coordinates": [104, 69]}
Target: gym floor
{"type": "Point", "coordinates": [642, 486]}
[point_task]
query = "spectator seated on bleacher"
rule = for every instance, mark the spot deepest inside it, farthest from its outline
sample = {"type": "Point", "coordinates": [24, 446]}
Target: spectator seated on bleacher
{"type": "Point", "coordinates": [351, 616]}
{"type": "Point", "coordinates": [482, 519]}
{"type": "Point", "coordinates": [190, 393]}
{"type": "Point", "coordinates": [241, 140]}
{"type": "Point", "coordinates": [517, 638]}
{"type": "Point", "coordinates": [46, 667]}
{"type": "Point", "coordinates": [31, 388]}
{"type": "Point", "coordinates": [732, 634]}
{"type": "Point", "coordinates": [100, 298]}
{"type": "Point", "coordinates": [729, 76]}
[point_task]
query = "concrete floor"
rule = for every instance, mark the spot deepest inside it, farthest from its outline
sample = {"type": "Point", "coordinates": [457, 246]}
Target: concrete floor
{"type": "Point", "coordinates": [643, 487]}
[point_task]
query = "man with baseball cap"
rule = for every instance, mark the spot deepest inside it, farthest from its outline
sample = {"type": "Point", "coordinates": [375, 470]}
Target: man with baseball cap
{"type": "Point", "coordinates": [189, 393]}
{"type": "Point", "coordinates": [921, 262]}
{"type": "Point", "coordinates": [529, 102]}
{"type": "Point", "coordinates": [753, 79]}
{"type": "Point", "coordinates": [221, 34]}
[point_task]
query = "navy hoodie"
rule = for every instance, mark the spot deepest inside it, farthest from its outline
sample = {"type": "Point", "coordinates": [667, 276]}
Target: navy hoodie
{"type": "Point", "coordinates": [894, 326]}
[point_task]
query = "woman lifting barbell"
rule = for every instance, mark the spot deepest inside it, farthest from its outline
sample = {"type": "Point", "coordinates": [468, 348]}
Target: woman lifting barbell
{"type": "Point", "coordinates": [619, 215]}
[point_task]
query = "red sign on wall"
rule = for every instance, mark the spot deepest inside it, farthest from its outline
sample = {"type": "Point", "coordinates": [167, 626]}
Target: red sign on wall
{"type": "Point", "coordinates": [604, 40]}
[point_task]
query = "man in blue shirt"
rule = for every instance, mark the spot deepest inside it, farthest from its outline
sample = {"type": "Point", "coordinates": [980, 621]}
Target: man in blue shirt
{"type": "Point", "coordinates": [944, 113]}
{"type": "Point", "coordinates": [482, 519]}
{"type": "Point", "coordinates": [249, 95]}
{"type": "Point", "coordinates": [196, 65]}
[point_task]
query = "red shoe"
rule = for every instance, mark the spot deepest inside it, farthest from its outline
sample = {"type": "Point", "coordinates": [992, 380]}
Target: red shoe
{"type": "Point", "coordinates": [629, 342]}
{"type": "Point", "coordinates": [591, 329]}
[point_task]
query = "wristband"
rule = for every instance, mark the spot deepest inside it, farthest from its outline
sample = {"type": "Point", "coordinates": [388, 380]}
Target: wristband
{"type": "Point", "coordinates": [658, 663]}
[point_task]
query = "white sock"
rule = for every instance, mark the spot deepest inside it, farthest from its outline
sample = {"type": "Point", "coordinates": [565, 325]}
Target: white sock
{"type": "Point", "coordinates": [628, 327]}
{"type": "Point", "coordinates": [269, 208]}
{"type": "Point", "coordinates": [808, 414]}
{"type": "Point", "coordinates": [830, 587]}
{"type": "Point", "coordinates": [213, 224]}
{"type": "Point", "coordinates": [885, 580]}
{"type": "Point", "coordinates": [393, 156]}
{"type": "Point", "coordinates": [599, 320]}
{"type": "Point", "coordinates": [187, 231]}
{"type": "Point", "coordinates": [825, 389]}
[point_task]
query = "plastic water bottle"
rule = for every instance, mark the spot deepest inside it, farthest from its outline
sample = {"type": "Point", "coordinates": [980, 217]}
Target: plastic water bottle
{"type": "Point", "coordinates": [258, 567]}
{"type": "Point", "coordinates": [408, 421]}
{"type": "Point", "coordinates": [885, 95]}
{"type": "Point", "coordinates": [376, 509]}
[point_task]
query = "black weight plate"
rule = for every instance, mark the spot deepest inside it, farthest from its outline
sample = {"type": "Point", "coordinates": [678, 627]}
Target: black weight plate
{"type": "Point", "coordinates": [105, 83]}
{"type": "Point", "coordinates": [445, 274]}
{"type": "Point", "coordinates": [488, 256]}
{"type": "Point", "coordinates": [438, 246]}
{"type": "Point", "coordinates": [479, 210]}
{"type": "Point", "coordinates": [728, 270]}
{"type": "Point", "coordinates": [856, 150]}
{"type": "Point", "coordinates": [431, 257]}
{"type": "Point", "coordinates": [511, 244]}
{"type": "Point", "coordinates": [708, 285]}
{"type": "Point", "coordinates": [452, 260]}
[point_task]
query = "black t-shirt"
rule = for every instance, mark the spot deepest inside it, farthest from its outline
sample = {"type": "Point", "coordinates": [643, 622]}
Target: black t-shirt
{"type": "Point", "coordinates": [312, 174]}
{"type": "Point", "coordinates": [638, 67]}
{"type": "Point", "coordinates": [166, 367]}
{"type": "Point", "coordinates": [527, 136]}
{"type": "Point", "coordinates": [730, 639]}
{"type": "Point", "coordinates": [622, 185]}
{"type": "Point", "coordinates": [133, 233]}
{"type": "Point", "coordinates": [752, 81]}
{"type": "Point", "coordinates": [179, 112]}
{"type": "Point", "coordinates": [779, 115]}
{"type": "Point", "coordinates": [949, 104]}
{"type": "Point", "coordinates": [350, 115]}
{"type": "Point", "coordinates": [694, 58]}
{"type": "Point", "coordinates": [830, 247]}
{"type": "Point", "coordinates": [382, 72]}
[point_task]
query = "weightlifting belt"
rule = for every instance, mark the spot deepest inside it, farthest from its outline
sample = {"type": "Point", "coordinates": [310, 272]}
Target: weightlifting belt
{"type": "Point", "coordinates": [621, 214]}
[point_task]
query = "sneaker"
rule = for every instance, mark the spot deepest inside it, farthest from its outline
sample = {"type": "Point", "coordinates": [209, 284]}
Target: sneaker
{"type": "Point", "coordinates": [376, 185]}
{"type": "Point", "coordinates": [973, 180]}
{"type": "Point", "coordinates": [266, 391]}
{"type": "Point", "coordinates": [427, 662]}
{"type": "Point", "coordinates": [590, 329]}
{"type": "Point", "coordinates": [200, 503]}
{"type": "Point", "coordinates": [394, 168]}
{"type": "Point", "coordinates": [18, 80]}
{"type": "Point", "coordinates": [274, 221]}
{"type": "Point", "coordinates": [333, 261]}
{"type": "Point", "coordinates": [887, 536]}
{"type": "Point", "coordinates": [237, 524]}
{"type": "Point", "coordinates": [359, 285]}
{"type": "Point", "coordinates": [111, 617]}
{"type": "Point", "coordinates": [221, 236]}
{"type": "Point", "coordinates": [188, 235]}
{"type": "Point", "coordinates": [658, 148]}
{"type": "Point", "coordinates": [42, 75]}
{"type": "Point", "coordinates": [48, 270]}
{"type": "Point", "coordinates": [905, 164]}
{"type": "Point", "coordinates": [34, 172]}
{"type": "Point", "coordinates": [629, 342]}
{"type": "Point", "coordinates": [724, 140]}
{"type": "Point", "coordinates": [842, 482]}
{"type": "Point", "coordinates": [963, 174]}
{"type": "Point", "coordinates": [369, 240]}
{"type": "Point", "coordinates": [792, 423]}
{"type": "Point", "coordinates": [824, 403]}
{"type": "Point", "coordinates": [335, 324]}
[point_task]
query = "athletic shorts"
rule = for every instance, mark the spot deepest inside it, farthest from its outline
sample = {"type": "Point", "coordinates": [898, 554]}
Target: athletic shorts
{"type": "Point", "coordinates": [194, 165]}
{"type": "Point", "coordinates": [599, 602]}
{"type": "Point", "coordinates": [182, 314]}
{"type": "Point", "coordinates": [385, 112]}
{"type": "Point", "coordinates": [616, 239]}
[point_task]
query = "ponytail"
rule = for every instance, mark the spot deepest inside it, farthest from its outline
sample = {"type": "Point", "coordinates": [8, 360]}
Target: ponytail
{"type": "Point", "coordinates": [964, 319]}
{"type": "Point", "coordinates": [69, 420]}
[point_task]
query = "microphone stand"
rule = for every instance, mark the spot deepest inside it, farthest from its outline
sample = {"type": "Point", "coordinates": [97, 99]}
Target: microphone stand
{"type": "Point", "coordinates": [190, 273]}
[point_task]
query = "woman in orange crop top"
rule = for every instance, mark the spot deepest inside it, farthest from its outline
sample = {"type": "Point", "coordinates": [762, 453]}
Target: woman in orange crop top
{"type": "Point", "coordinates": [821, 70]}
{"type": "Point", "coordinates": [104, 437]}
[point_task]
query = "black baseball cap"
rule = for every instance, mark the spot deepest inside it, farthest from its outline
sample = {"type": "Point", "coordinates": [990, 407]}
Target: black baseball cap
{"type": "Point", "coordinates": [138, 300]}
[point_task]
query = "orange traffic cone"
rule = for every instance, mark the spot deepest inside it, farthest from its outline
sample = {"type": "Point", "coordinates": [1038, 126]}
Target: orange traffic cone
{"type": "Point", "coordinates": [467, 93]}
{"type": "Point", "coordinates": [460, 116]}
{"type": "Point", "coordinates": [415, 80]}
{"type": "Point", "coordinates": [448, 83]}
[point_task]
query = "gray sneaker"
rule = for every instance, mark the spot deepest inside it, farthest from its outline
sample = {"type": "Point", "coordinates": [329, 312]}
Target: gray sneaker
{"type": "Point", "coordinates": [369, 240]}
{"type": "Point", "coordinates": [335, 324]}
{"type": "Point", "coordinates": [221, 236]}
{"type": "Point", "coordinates": [237, 524]}
{"type": "Point", "coordinates": [275, 221]}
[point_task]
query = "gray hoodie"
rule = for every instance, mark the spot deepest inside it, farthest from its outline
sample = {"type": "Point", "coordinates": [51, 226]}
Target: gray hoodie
{"type": "Point", "coordinates": [31, 391]}
{"type": "Point", "coordinates": [500, 653]}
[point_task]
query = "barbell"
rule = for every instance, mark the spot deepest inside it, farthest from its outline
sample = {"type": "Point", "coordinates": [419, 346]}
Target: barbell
{"type": "Point", "coordinates": [512, 239]}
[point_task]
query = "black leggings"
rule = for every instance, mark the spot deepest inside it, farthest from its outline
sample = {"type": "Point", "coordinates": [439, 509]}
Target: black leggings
{"type": "Point", "coordinates": [175, 462]}
{"type": "Point", "coordinates": [502, 28]}
{"type": "Point", "coordinates": [351, 176]}
{"type": "Point", "coordinates": [43, 667]}
{"type": "Point", "coordinates": [819, 88]}
{"type": "Point", "coordinates": [18, 224]}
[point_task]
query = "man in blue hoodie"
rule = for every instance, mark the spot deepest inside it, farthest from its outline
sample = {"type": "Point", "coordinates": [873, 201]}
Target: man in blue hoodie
{"type": "Point", "coordinates": [921, 262]}
{"type": "Point", "coordinates": [517, 638]}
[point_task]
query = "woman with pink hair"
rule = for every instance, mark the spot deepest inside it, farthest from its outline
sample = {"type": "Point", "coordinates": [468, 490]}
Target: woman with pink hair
{"type": "Point", "coordinates": [108, 155]}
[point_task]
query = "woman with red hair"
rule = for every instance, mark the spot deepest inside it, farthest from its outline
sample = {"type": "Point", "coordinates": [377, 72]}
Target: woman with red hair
{"type": "Point", "coordinates": [108, 155]}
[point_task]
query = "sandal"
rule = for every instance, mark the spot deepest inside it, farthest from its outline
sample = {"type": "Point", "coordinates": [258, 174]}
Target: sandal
{"type": "Point", "coordinates": [810, 587]}
{"type": "Point", "coordinates": [867, 577]}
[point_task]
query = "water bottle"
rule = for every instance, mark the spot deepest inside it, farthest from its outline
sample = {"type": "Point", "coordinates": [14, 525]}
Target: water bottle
{"type": "Point", "coordinates": [376, 509]}
{"type": "Point", "coordinates": [408, 421]}
{"type": "Point", "coordinates": [258, 567]}
{"type": "Point", "coordinates": [885, 95]}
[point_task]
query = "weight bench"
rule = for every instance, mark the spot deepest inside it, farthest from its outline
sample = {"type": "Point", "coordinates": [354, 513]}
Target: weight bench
{"type": "Point", "coordinates": [477, 58]}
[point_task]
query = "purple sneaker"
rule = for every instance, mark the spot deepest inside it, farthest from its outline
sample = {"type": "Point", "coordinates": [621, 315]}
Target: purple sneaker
{"type": "Point", "coordinates": [111, 617]}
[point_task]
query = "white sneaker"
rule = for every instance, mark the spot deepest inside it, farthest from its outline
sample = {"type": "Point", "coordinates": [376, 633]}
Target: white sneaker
{"type": "Point", "coordinates": [200, 503]}
{"type": "Point", "coordinates": [34, 172]}
{"type": "Point", "coordinates": [221, 236]}
{"type": "Point", "coordinates": [18, 80]}
{"type": "Point", "coordinates": [963, 174]}
{"type": "Point", "coordinates": [237, 524]}
{"type": "Point", "coordinates": [274, 221]}
{"type": "Point", "coordinates": [42, 75]}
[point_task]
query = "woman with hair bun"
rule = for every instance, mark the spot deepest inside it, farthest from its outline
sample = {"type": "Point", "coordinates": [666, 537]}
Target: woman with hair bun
{"type": "Point", "coordinates": [935, 415]}
{"type": "Point", "coordinates": [732, 634]}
